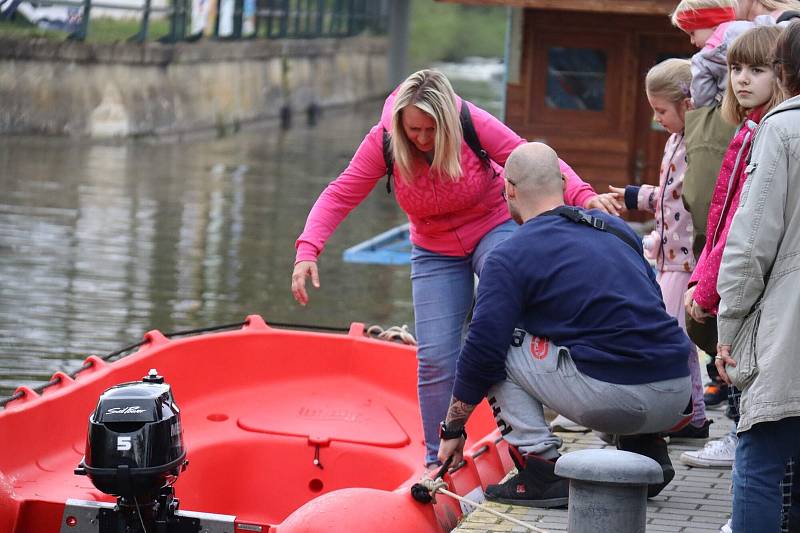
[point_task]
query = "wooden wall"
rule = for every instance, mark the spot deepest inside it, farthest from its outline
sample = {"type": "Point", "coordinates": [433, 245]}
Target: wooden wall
{"type": "Point", "coordinates": [618, 145]}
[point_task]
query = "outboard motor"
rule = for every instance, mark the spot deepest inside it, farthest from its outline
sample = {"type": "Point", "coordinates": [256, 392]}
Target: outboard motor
{"type": "Point", "coordinates": [135, 451]}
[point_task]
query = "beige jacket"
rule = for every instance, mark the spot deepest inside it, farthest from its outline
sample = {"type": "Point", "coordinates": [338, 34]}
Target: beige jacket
{"type": "Point", "coordinates": [759, 281]}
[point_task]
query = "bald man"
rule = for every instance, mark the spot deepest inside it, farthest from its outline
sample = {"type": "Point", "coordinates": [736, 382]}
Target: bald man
{"type": "Point", "coordinates": [568, 315]}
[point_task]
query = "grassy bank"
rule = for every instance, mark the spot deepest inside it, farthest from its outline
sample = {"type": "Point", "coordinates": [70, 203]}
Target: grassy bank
{"type": "Point", "coordinates": [101, 30]}
{"type": "Point", "coordinates": [451, 32]}
{"type": "Point", "coordinates": [438, 31]}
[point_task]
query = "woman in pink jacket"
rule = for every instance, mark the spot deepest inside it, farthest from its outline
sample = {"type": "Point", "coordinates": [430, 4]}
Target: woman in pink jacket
{"type": "Point", "coordinates": [457, 214]}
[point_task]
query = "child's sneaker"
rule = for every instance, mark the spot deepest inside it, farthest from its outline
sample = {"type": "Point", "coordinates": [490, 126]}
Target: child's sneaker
{"type": "Point", "coordinates": [726, 528]}
{"type": "Point", "coordinates": [715, 393]}
{"type": "Point", "coordinates": [716, 453]}
{"type": "Point", "coordinates": [691, 432]}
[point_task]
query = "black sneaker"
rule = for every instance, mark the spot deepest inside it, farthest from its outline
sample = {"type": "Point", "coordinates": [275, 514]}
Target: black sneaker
{"type": "Point", "coordinates": [691, 432]}
{"type": "Point", "coordinates": [652, 446]}
{"type": "Point", "coordinates": [715, 393]}
{"type": "Point", "coordinates": [535, 485]}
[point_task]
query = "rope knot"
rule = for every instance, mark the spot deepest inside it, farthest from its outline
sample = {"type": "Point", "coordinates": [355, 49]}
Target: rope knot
{"type": "Point", "coordinates": [394, 333]}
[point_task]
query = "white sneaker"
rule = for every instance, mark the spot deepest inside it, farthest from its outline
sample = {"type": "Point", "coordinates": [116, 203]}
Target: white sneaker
{"type": "Point", "coordinates": [726, 528]}
{"type": "Point", "coordinates": [562, 423]}
{"type": "Point", "coordinates": [716, 453]}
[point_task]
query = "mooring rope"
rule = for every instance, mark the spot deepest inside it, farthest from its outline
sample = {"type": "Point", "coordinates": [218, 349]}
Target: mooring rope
{"type": "Point", "coordinates": [437, 485]}
{"type": "Point", "coordinates": [394, 333]}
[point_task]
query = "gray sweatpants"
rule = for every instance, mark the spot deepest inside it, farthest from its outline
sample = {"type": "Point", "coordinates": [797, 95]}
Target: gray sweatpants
{"type": "Point", "coordinates": [540, 373]}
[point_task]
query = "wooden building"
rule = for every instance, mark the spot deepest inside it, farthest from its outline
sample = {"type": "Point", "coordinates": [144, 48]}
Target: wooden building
{"type": "Point", "coordinates": [575, 80]}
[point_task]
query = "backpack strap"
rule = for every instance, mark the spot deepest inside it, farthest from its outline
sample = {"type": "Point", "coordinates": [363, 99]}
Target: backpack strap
{"type": "Point", "coordinates": [580, 217]}
{"type": "Point", "coordinates": [470, 137]}
{"type": "Point", "coordinates": [388, 159]}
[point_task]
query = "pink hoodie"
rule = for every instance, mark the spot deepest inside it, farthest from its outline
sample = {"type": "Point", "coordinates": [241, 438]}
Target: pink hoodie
{"type": "Point", "coordinates": [446, 217]}
{"type": "Point", "coordinates": [724, 202]}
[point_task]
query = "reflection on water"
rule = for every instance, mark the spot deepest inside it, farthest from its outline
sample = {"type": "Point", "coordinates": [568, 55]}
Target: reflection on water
{"type": "Point", "coordinates": [100, 243]}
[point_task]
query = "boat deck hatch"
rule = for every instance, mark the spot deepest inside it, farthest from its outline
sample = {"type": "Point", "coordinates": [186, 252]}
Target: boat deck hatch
{"type": "Point", "coordinates": [325, 418]}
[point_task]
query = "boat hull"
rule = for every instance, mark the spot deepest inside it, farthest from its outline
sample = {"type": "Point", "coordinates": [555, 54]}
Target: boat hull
{"type": "Point", "coordinates": [285, 430]}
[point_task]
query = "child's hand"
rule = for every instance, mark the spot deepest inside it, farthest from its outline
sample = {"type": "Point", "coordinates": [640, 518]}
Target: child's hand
{"type": "Point", "coordinates": [687, 298]}
{"type": "Point", "coordinates": [618, 192]}
{"type": "Point", "coordinates": [607, 203]}
{"type": "Point", "coordinates": [694, 310]}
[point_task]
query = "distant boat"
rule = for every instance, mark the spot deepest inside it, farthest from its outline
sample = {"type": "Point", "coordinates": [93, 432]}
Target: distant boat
{"type": "Point", "coordinates": [392, 247]}
{"type": "Point", "coordinates": [284, 431]}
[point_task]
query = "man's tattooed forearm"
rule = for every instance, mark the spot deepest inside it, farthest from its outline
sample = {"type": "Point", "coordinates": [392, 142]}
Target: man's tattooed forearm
{"type": "Point", "coordinates": [458, 413]}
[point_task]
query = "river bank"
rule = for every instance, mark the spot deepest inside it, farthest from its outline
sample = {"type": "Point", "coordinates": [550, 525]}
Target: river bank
{"type": "Point", "coordinates": [130, 89]}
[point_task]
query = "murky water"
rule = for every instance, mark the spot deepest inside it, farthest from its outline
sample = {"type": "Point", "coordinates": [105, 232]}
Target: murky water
{"type": "Point", "coordinates": [100, 243]}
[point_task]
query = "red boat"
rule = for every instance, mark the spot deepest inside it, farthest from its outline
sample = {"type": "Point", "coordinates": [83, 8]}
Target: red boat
{"type": "Point", "coordinates": [284, 431]}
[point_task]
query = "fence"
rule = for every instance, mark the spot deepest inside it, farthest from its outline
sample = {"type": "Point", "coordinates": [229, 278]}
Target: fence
{"type": "Point", "coordinates": [240, 19]}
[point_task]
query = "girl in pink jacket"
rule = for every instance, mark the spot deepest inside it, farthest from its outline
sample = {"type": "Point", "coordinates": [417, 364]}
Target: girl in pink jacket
{"type": "Point", "coordinates": [670, 244]}
{"type": "Point", "coordinates": [752, 91]}
{"type": "Point", "coordinates": [457, 214]}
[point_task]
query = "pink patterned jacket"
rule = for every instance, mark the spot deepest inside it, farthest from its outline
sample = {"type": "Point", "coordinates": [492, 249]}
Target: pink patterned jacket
{"type": "Point", "coordinates": [670, 244]}
{"type": "Point", "coordinates": [732, 175]}
{"type": "Point", "coordinates": [446, 217]}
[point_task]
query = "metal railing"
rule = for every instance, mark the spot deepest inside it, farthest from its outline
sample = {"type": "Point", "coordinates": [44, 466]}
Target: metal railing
{"type": "Point", "coordinates": [249, 19]}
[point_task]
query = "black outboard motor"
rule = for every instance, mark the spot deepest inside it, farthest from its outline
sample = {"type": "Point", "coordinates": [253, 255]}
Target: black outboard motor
{"type": "Point", "coordinates": [135, 451]}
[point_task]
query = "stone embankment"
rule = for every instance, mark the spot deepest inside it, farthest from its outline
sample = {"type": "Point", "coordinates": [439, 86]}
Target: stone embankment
{"type": "Point", "coordinates": [129, 89]}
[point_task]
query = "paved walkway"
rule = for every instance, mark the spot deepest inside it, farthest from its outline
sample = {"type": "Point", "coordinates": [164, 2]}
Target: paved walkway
{"type": "Point", "coordinates": [697, 500]}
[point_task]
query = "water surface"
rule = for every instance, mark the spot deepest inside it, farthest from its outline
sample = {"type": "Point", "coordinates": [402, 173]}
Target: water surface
{"type": "Point", "coordinates": [100, 243]}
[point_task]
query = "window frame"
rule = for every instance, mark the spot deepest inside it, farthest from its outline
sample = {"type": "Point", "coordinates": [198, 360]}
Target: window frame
{"type": "Point", "coordinates": [539, 112]}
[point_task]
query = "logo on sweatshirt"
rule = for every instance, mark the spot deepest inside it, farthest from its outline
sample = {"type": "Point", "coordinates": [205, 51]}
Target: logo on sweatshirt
{"type": "Point", "coordinates": [539, 347]}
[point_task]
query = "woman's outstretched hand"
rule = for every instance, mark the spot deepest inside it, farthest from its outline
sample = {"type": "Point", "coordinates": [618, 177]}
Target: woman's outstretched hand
{"type": "Point", "coordinates": [302, 270]}
{"type": "Point", "coordinates": [607, 203]}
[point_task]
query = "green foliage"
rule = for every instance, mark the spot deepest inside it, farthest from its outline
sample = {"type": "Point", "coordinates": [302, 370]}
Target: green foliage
{"type": "Point", "coordinates": [450, 32]}
{"type": "Point", "coordinates": [108, 30]}
{"type": "Point", "coordinates": [101, 30]}
{"type": "Point", "coordinates": [23, 29]}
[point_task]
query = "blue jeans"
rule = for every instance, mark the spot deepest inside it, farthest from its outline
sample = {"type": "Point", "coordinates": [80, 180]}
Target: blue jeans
{"type": "Point", "coordinates": [443, 289]}
{"type": "Point", "coordinates": [761, 457]}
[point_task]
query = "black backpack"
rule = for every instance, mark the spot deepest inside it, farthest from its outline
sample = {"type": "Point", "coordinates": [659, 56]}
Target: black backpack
{"type": "Point", "coordinates": [470, 136]}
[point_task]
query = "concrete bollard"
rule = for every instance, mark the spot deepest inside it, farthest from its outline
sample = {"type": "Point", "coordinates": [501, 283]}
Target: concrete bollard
{"type": "Point", "coordinates": [608, 489]}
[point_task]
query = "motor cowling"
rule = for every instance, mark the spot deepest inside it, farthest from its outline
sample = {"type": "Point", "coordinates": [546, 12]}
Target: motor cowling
{"type": "Point", "coordinates": [134, 446]}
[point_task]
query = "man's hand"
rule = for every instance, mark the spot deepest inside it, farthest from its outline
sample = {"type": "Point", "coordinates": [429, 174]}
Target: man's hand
{"type": "Point", "coordinates": [606, 203]}
{"type": "Point", "coordinates": [457, 415]}
{"type": "Point", "coordinates": [452, 448]}
{"type": "Point", "coordinates": [722, 359]}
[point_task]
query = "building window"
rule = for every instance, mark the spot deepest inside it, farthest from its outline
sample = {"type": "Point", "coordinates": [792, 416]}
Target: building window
{"type": "Point", "coordinates": [576, 78]}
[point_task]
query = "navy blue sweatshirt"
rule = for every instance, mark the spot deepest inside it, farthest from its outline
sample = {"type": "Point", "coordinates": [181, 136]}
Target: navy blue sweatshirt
{"type": "Point", "coordinates": [582, 288]}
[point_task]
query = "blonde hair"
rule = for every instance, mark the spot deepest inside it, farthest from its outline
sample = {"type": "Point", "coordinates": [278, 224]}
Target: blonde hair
{"type": "Point", "coordinates": [670, 79]}
{"type": "Point", "coordinates": [694, 5]}
{"type": "Point", "coordinates": [431, 92]}
{"type": "Point", "coordinates": [754, 47]}
{"type": "Point", "coordinates": [775, 5]}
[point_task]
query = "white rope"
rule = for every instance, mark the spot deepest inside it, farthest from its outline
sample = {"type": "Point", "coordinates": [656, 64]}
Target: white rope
{"type": "Point", "coordinates": [438, 485]}
{"type": "Point", "coordinates": [394, 333]}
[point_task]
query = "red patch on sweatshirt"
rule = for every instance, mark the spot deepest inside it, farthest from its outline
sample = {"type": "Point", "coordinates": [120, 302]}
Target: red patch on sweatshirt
{"type": "Point", "coordinates": [539, 347]}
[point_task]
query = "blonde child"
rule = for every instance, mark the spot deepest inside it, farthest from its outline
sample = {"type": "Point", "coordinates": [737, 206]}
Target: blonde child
{"type": "Point", "coordinates": [667, 86]}
{"type": "Point", "coordinates": [712, 26]}
{"type": "Point", "coordinates": [707, 22]}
